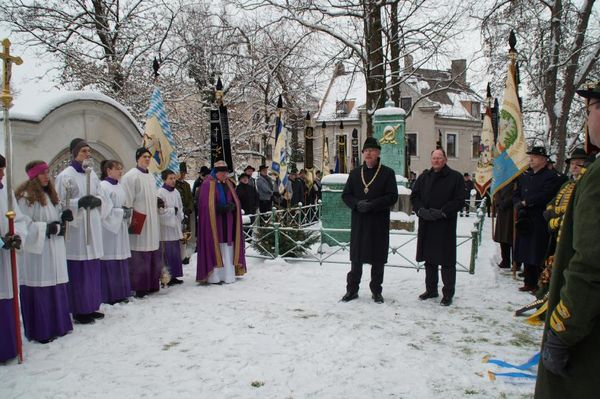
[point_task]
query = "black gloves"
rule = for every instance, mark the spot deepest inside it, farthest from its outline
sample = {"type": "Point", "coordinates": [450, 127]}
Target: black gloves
{"type": "Point", "coordinates": [11, 242]}
{"type": "Point", "coordinates": [52, 229]}
{"type": "Point", "coordinates": [126, 212]}
{"type": "Point", "coordinates": [437, 214]}
{"type": "Point", "coordinates": [431, 215]}
{"type": "Point", "coordinates": [66, 216]}
{"type": "Point", "coordinates": [176, 210]}
{"type": "Point", "coordinates": [555, 354]}
{"type": "Point", "coordinates": [363, 206]}
{"type": "Point", "coordinates": [160, 203]}
{"type": "Point", "coordinates": [89, 202]}
{"type": "Point", "coordinates": [425, 214]}
{"type": "Point", "coordinates": [187, 212]}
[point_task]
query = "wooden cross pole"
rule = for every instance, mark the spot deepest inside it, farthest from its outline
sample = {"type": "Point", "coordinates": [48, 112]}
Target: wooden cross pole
{"type": "Point", "coordinates": [6, 99]}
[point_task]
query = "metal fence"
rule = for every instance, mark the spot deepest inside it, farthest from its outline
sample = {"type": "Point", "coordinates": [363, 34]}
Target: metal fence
{"type": "Point", "coordinates": [266, 231]}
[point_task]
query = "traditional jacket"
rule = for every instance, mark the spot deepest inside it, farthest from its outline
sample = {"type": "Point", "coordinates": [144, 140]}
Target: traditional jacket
{"type": "Point", "coordinates": [185, 191]}
{"type": "Point", "coordinates": [370, 231]}
{"type": "Point", "coordinates": [503, 203]}
{"type": "Point", "coordinates": [212, 226]}
{"type": "Point", "coordinates": [444, 190]}
{"type": "Point", "coordinates": [536, 189]}
{"type": "Point", "coordinates": [44, 260]}
{"type": "Point", "coordinates": [574, 299]}
{"type": "Point", "coordinates": [71, 183]}
{"type": "Point", "coordinates": [170, 222]}
{"type": "Point", "coordinates": [115, 237]}
{"type": "Point", "coordinates": [6, 291]}
{"type": "Point", "coordinates": [140, 188]}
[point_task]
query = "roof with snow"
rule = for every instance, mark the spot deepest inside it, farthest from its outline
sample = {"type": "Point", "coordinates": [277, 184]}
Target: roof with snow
{"type": "Point", "coordinates": [449, 96]}
{"type": "Point", "coordinates": [34, 108]}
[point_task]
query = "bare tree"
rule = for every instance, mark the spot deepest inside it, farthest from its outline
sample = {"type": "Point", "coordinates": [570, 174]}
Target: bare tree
{"type": "Point", "coordinates": [107, 45]}
{"type": "Point", "coordinates": [372, 35]}
{"type": "Point", "coordinates": [559, 48]}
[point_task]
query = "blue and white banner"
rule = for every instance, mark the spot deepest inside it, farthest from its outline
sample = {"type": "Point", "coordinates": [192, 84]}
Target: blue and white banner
{"type": "Point", "coordinates": [279, 164]}
{"type": "Point", "coordinates": [158, 139]}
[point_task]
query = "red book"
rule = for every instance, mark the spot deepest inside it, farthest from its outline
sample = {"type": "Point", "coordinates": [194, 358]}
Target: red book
{"type": "Point", "coordinates": [137, 222]}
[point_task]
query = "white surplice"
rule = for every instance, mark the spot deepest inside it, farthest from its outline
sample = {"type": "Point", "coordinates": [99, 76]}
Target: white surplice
{"type": "Point", "coordinates": [6, 291]}
{"type": "Point", "coordinates": [44, 260]}
{"type": "Point", "coordinates": [76, 242]}
{"type": "Point", "coordinates": [140, 189]}
{"type": "Point", "coordinates": [170, 223]}
{"type": "Point", "coordinates": [115, 237]}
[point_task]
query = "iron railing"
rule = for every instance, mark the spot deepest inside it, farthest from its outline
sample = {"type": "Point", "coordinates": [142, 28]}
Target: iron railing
{"type": "Point", "coordinates": [270, 227]}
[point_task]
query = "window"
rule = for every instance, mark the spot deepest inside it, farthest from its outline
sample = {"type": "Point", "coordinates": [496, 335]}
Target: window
{"type": "Point", "coordinates": [406, 103]}
{"type": "Point", "coordinates": [451, 148]}
{"type": "Point", "coordinates": [476, 149]}
{"type": "Point", "coordinates": [269, 152]}
{"type": "Point", "coordinates": [475, 110]}
{"type": "Point", "coordinates": [412, 144]}
{"type": "Point", "coordinates": [343, 107]}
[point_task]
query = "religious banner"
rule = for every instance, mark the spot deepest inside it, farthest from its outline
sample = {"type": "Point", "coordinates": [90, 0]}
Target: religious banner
{"type": "Point", "coordinates": [216, 138]}
{"type": "Point", "coordinates": [485, 165]}
{"type": "Point", "coordinates": [355, 161]}
{"type": "Point", "coordinates": [324, 152]}
{"type": "Point", "coordinates": [512, 157]}
{"type": "Point", "coordinates": [308, 152]}
{"type": "Point", "coordinates": [341, 154]}
{"type": "Point", "coordinates": [279, 164]}
{"type": "Point", "coordinates": [224, 118]}
{"type": "Point", "coordinates": [158, 139]}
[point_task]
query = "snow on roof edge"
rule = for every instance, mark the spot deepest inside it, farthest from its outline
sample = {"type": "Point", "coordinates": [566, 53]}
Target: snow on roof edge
{"type": "Point", "coordinates": [40, 105]}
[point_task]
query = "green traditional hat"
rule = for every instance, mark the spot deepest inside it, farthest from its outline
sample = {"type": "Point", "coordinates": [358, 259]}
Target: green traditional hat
{"type": "Point", "coordinates": [578, 153]}
{"type": "Point", "coordinates": [590, 90]}
{"type": "Point", "coordinates": [371, 142]}
{"type": "Point", "coordinates": [538, 151]}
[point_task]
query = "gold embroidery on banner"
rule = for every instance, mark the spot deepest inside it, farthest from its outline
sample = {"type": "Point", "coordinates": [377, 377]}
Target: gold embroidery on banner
{"type": "Point", "coordinates": [212, 215]}
{"type": "Point", "coordinates": [563, 311]}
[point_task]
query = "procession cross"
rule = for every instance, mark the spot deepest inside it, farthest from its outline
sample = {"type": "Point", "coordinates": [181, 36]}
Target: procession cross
{"type": "Point", "coordinates": [7, 61]}
{"type": "Point", "coordinates": [6, 98]}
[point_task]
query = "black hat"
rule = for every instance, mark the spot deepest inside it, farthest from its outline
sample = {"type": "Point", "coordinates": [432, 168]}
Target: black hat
{"type": "Point", "coordinates": [466, 174]}
{"type": "Point", "coordinates": [578, 153]}
{"type": "Point", "coordinates": [242, 175]}
{"type": "Point", "coordinates": [204, 170]}
{"type": "Point", "coordinates": [262, 167]}
{"type": "Point", "coordinates": [590, 90]}
{"type": "Point", "coordinates": [183, 167]}
{"type": "Point", "coordinates": [249, 167]}
{"type": "Point", "coordinates": [371, 142]}
{"type": "Point", "coordinates": [293, 169]}
{"type": "Point", "coordinates": [2, 161]}
{"type": "Point", "coordinates": [538, 151]}
{"type": "Point", "coordinates": [141, 151]}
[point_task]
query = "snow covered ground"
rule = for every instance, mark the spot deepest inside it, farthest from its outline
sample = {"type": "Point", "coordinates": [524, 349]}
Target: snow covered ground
{"type": "Point", "coordinates": [280, 332]}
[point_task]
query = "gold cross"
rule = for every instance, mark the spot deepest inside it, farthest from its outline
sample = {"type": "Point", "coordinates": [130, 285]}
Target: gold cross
{"type": "Point", "coordinates": [7, 61]}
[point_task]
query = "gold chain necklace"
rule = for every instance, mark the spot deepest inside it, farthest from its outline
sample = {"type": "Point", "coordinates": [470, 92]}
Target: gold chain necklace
{"type": "Point", "coordinates": [362, 176]}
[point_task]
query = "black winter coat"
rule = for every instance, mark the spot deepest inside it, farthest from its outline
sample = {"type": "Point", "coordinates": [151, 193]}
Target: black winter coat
{"type": "Point", "coordinates": [503, 204]}
{"type": "Point", "coordinates": [536, 189]}
{"type": "Point", "coordinates": [248, 198]}
{"type": "Point", "coordinates": [443, 190]}
{"type": "Point", "coordinates": [370, 234]}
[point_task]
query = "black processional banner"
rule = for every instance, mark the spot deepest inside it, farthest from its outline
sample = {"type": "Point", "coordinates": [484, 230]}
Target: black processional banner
{"type": "Point", "coordinates": [226, 137]}
{"type": "Point", "coordinates": [216, 138]}
{"type": "Point", "coordinates": [342, 153]}
{"type": "Point", "coordinates": [308, 148]}
{"type": "Point", "coordinates": [355, 162]}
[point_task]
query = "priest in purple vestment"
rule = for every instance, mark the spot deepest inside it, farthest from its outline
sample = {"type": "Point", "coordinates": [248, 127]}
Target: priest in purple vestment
{"type": "Point", "coordinates": [220, 242]}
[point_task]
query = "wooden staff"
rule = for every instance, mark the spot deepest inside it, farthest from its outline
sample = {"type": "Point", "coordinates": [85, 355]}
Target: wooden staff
{"type": "Point", "coordinates": [6, 99]}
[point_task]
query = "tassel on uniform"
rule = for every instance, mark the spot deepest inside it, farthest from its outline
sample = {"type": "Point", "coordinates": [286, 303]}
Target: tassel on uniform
{"type": "Point", "coordinates": [537, 319]}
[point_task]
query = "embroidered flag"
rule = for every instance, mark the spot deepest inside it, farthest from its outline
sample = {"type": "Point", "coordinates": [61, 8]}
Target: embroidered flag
{"type": "Point", "coordinates": [279, 164]}
{"type": "Point", "coordinates": [325, 158]}
{"type": "Point", "coordinates": [485, 165]}
{"type": "Point", "coordinates": [158, 138]}
{"type": "Point", "coordinates": [512, 157]}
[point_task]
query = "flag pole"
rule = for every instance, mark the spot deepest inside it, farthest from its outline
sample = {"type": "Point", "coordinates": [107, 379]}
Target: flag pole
{"type": "Point", "coordinates": [6, 99]}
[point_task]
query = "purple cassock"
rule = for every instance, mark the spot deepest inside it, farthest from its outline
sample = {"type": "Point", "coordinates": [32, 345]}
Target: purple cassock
{"type": "Point", "coordinates": [172, 254]}
{"type": "Point", "coordinates": [215, 228]}
{"type": "Point", "coordinates": [8, 339]}
{"type": "Point", "coordinates": [45, 312]}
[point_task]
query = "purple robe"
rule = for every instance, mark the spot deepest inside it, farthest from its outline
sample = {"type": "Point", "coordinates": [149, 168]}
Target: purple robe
{"type": "Point", "coordinates": [210, 230]}
{"type": "Point", "coordinates": [8, 339]}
